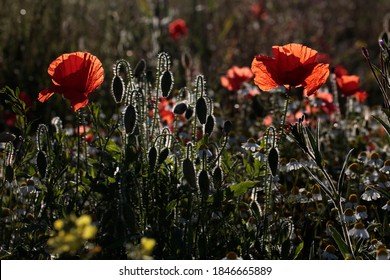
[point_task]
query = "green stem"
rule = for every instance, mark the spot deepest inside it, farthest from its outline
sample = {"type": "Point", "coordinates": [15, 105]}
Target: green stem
{"type": "Point", "coordinates": [282, 124]}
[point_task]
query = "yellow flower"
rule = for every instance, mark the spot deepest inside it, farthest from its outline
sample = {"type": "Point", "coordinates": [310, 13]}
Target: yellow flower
{"type": "Point", "coordinates": [71, 234]}
{"type": "Point", "coordinates": [147, 245]}
{"type": "Point", "coordinates": [58, 224]}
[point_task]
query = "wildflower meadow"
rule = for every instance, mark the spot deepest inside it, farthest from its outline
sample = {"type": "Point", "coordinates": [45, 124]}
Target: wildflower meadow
{"type": "Point", "coordinates": [195, 130]}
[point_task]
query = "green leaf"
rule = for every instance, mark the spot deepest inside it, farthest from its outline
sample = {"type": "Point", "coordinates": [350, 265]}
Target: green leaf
{"type": "Point", "coordinates": [314, 147]}
{"type": "Point", "coordinates": [242, 187]}
{"type": "Point", "coordinates": [227, 26]}
{"type": "Point", "coordinates": [113, 148]}
{"type": "Point", "coordinates": [342, 174]}
{"type": "Point", "coordinates": [298, 250]}
{"type": "Point", "coordinates": [383, 123]}
{"type": "Point", "coordinates": [343, 247]}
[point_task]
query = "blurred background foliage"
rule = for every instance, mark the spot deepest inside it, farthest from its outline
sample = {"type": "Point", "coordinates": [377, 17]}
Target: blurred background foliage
{"type": "Point", "coordinates": [220, 34]}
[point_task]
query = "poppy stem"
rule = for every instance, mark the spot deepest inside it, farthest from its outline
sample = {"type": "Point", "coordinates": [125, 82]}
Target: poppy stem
{"type": "Point", "coordinates": [283, 123]}
{"type": "Point", "coordinates": [78, 116]}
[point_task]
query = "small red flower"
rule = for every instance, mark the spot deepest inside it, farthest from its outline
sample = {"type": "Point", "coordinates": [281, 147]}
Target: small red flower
{"type": "Point", "coordinates": [75, 76]}
{"type": "Point", "coordinates": [25, 98]}
{"type": "Point", "coordinates": [361, 96]}
{"type": "Point", "coordinates": [348, 84]}
{"type": "Point", "coordinates": [177, 29]}
{"type": "Point", "coordinates": [85, 130]}
{"type": "Point", "coordinates": [235, 76]}
{"type": "Point", "coordinates": [323, 101]}
{"type": "Point", "coordinates": [258, 11]}
{"type": "Point", "coordinates": [9, 119]}
{"type": "Point", "coordinates": [293, 65]}
{"type": "Point", "coordinates": [340, 70]}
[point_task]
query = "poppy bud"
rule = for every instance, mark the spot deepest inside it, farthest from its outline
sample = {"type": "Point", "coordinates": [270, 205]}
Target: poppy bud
{"type": "Point", "coordinates": [152, 157]}
{"type": "Point", "coordinates": [139, 69]}
{"type": "Point", "coordinates": [6, 137]}
{"type": "Point", "coordinates": [163, 155]}
{"type": "Point", "coordinates": [166, 83]}
{"type": "Point", "coordinates": [204, 183]}
{"type": "Point", "coordinates": [42, 163]}
{"type": "Point", "coordinates": [217, 176]}
{"type": "Point", "coordinates": [180, 108]}
{"type": "Point", "coordinates": [117, 89]}
{"type": "Point", "coordinates": [189, 113]}
{"type": "Point", "coordinates": [130, 119]}
{"type": "Point", "coordinates": [227, 126]}
{"type": "Point", "coordinates": [201, 110]}
{"type": "Point", "coordinates": [273, 160]}
{"type": "Point", "coordinates": [209, 127]}
{"type": "Point", "coordinates": [9, 173]}
{"type": "Point", "coordinates": [189, 172]}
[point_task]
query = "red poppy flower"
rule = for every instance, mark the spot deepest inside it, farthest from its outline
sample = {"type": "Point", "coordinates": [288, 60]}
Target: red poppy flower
{"type": "Point", "coordinates": [258, 11]}
{"type": "Point", "coordinates": [85, 130]}
{"type": "Point", "coordinates": [361, 96]}
{"type": "Point", "coordinates": [25, 98]}
{"type": "Point", "coordinates": [75, 76]}
{"type": "Point", "coordinates": [348, 84]}
{"type": "Point", "coordinates": [340, 70]}
{"type": "Point", "coordinates": [293, 65]}
{"type": "Point", "coordinates": [235, 76]}
{"type": "Point", "coordinates": [323, 101]}
{"type": "Point", "coordinates": [177, 29]}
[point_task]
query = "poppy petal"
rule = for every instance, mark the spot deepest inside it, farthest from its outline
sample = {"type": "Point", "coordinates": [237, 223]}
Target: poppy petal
{"type": "Point", "coordinates": [95, 75]}
{"type": "Point", "coordinates": [316, 79]}
{"type": "Point", "coordinates": [46, 93]}
{"type": "Point", "coordinates": [266, 73]}
{"type": "Point", "coordinates": [225, 83]}
{"type": "Point", "coordinates": [77, 100]}
{"type": "Point", "coordinates": [294, 54]}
